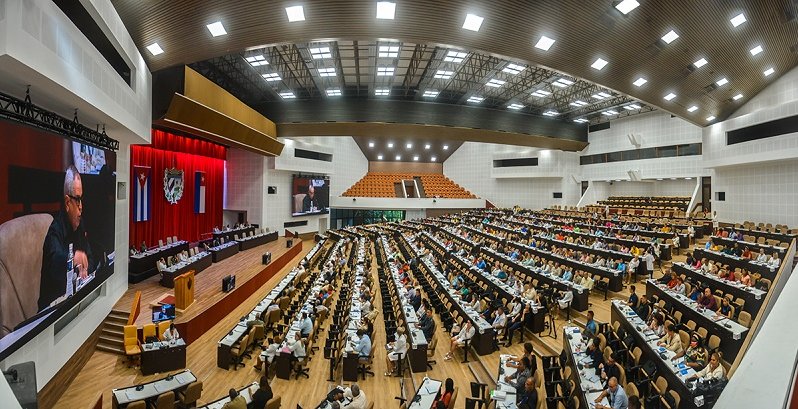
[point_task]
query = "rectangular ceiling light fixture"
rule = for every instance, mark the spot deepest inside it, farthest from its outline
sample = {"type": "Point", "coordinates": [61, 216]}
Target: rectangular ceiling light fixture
{"type": "Point", "coordinates": [431, 93]}
{"type": "Point", "coordinates": [670, 37]}
{"type": "Point", "coordinates": [721, 82]}
{"type": "Point", "coordinates": [599, 64]}
{"type": "Point", "coordinates": [768, 71]}
{"type": "Point", "coordinates": [692, 108]}
{"type": "Point", "coordinates": [287, 95]}
{"type": "Point", "coordinates": [320, 52]}
{"type": "Point", "coordinates": [700, 63]}
{"type": "Point", "coordinates": [444, 75]}
{"type": "Point", "coordinates": [257, 60]}
{"type": "Point", "coordinates": [155, 49]}
{"type": "Point", "coordinates": [627, 6]}
{"type": "Point", "coordinates": [475, 99]}
{"type": "Point", "coordinates": [738, 19]}
{"type": "Point", "coordinates": [670, 96]}
{"type": "Point", "coordinates": [515, 106]}
{"type": "Point", "coordinates": [386, 10]}
{"type": "Point", "coordinates": [493, 82]}
{"type": "Point", "coordinates": [551, 113]}
{"type": "Point", "coordinates": [736, 97]}
{"type": "Point", "coordinates": [472, 22]}
{"type": "Point", "coordinates": [333, 92]}
{"type": "Point", "coordinates": [640, 81]}
{"type": "Point", "coordinates": [384, 71]}
{"type": "Point", "coordinates": [581, 120]}
{"type": "Point", "coordinates": [604, 94]}
{"type": "Point", "coordinates": [216, 29]}
{"type": "Point", "coordinates": [271, 77]}
{"type": "Point", "coordinates": [381, 92]}
{"type": "Point", "coordinates": [631, 107]}
{"type": "Point", "coordinates": [544, 43]}
{"type": "Point", "coordinates": [610, 113]}
{"type": "Point", "coordinates": [710, 118]}
{"type": "Point", "coordinates": [756, 50]}
{"type": "Point", "coordinates": [391, 51]}
{"type": "Point", "coordinates": [455, 56]}
{"type": "Point", "coordinates": [326, 72]}
{"type": "Point", "coordinates": [513, 68]}
{"type": "Point", "coordinates": [295, 13]}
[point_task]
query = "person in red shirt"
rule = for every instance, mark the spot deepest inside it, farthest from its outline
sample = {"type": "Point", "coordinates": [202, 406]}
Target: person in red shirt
{"type": "Point", "coordinates": [708, 300]}
{"type": "Point", "coordinates": [444, 395]}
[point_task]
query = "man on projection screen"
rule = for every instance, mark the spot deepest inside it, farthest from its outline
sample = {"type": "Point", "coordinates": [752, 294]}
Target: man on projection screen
{"type": "Point", "coordinates": [310, 204]}
{"type": "Point", "coordinates": [65, 229]}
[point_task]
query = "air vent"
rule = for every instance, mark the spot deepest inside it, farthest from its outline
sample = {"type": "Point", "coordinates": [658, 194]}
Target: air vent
{"type": "Point", "coordinates": [711, 87]}
{"type": "Point", "coordinates": [510, 163]}
{"type": "Point", "coordinates": [599, 127]}
{"type": "Point", "coordinates": [312, 155]}
{"type": "Point", "coordinates": [764, 130]}
{"type": "Point", "coordinates": [654, 49]}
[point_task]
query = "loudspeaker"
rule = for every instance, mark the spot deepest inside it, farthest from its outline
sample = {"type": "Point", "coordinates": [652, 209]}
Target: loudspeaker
{"type": "Point", "coordinates": [121, 190]}
{"type": "Point", "coordinates": [267, 258]}
{"type": "Point", "coordinates": [289, 243]}
{"type": "Point", "coordinates": [272, 190]}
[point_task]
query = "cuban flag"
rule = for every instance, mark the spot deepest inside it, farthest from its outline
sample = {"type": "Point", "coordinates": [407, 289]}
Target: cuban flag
{"type": "Point", "coordinates": [199, 192]}
{"type": "Point", "coordinates": [141, 193]}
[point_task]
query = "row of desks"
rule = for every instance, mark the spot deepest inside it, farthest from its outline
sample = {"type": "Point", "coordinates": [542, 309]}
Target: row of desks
{"type": "Point", "coordinates": [161, 357]}
{"type": "Point", "coordinates": [142, 265]}
{"type": "Point", "coordinates": [765, 270]}
{"type": "Point", "coordinates": [150, 390]}
{"type": "Point", "coordinates": [588, 383]}
{"type": "Point", "coordinates": [199, 262]}
{"type": "Point", "coordinates": [753, 296]}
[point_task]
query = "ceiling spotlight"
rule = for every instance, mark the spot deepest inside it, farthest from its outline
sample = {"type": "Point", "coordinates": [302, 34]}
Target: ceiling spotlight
{"type": "Point", "coordinates": [155, 49]}
{"type": "Point", "coordinates": [433, 159]}
{"type": "Point", "coordinates": [398, 157]}
{"type": "Point", "coordinates": [670, 37]}
{"type": "Point", "coordinates": [600, 63]}
{"type": "Point", "coordinates": [551, 113]}
{"type": "Point", "coordinates": [692, 108]}
{"type": "Point", "coordinates": [446, 147]}
{"type": "Point", "coordinates": [710, 118]}
{"type": "Point", "coordinates": [386, 10]}
{"type": "Point", "coordinates": [640, 81]}
{"type": "Point", "coordinates": [295, 13]}
{"type": "Point", "coordinates": [427, 146]}
{"type": "Point", "coordinates": [626, 6]}
{"type": "Point", "coordinates": [670, 96]}
{"type": "Point", "coordinates": [216, 29]}
{"type": "Point", "coordinates": [390, 144]}
{"type": "Point", "coordinates": [287, 95]}
{"type": "Point", "coordinates": [371, 144]}
{"type": "Point", "coordinates": [756, 50]}
{"type": "Point", "coordinates": [415, 157]}
{"type": "Point", "coordinates": [768, 71]}
{"type": "Point", "coordinates": [472, 22]}
{"type": "Point", "coordinates": [475, 99]}
{"type": "Point", "coordinates": [544, 43]}
{"type": "Point", "coordinates": [379, 157]}
{"type": "Point", "coordinates": [381, 92]}
{"type": "Point", "coordinates": [700, 63]}
{"type": "Point", "coordinates": [409, 145]}
{"type": "Point", "coordinates": [738, 19]}
{"type": "Point", "coordinates": [736, 97]}
{"type": "Point", "coordinates": [721, 82]}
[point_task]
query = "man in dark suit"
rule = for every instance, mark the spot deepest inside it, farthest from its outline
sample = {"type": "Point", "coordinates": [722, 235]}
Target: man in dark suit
{"type": "Point", "coordinates": [65, 229]}
{"type": "Point", "coordinates": [310, 200]}
{"type": "Point", "coordinates": [528, 399]}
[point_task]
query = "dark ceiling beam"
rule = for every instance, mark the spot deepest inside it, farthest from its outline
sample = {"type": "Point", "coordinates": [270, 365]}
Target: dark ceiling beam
{"type": "Point", "coordinates": [339, 68]}
{"type": "Point", "coordinates": [483, 68]}
{"type": "Point", "coordinates": [411, 76]}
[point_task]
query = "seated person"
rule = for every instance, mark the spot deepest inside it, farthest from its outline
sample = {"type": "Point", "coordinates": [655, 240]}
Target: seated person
{"type": "Point", "coordinates": [615, 394]}
{"type": "Point", "coordinates": [610, 369]}
{"type": "Point", "coordinates": [695, 293]}
{"type": "Point", "coordinates": [269, 352]}
{"type": "Point", "coordinates": [459, 339]}
{"type": "Point", "coordinates": [656, 325]}
{"type": "Point", "coordinates": [171, 333]}
{"type": "Point", "coordinates": [671, 340]}
{"type": "Point", "coordinates": [707, 300]}
{"type": "Point", "coordinates": [725, 308]}
{"type": "Point", "coordinates": [695, 356]}
{"type": "Point", "coordinates": [712, 371]}
{"type": "Point", "coordinates": [236, 401]}
{"type": "Point", "coordinates": [565, 301]}
{"type": "Point", "coordinates": [774, 260]}
{"type": "Point", "coordinates": [396, 348]}
{"type": "Point", "coordinates": [746, 278]}
{"type": "Point", "coordinates": [357, 398]}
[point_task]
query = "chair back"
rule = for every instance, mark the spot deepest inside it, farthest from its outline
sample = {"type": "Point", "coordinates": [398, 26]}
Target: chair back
{"type": "Point", "coordinates": [258, 332]}
{"type": "Point", "coordinates": [165, 400]}
{"type": "Point", "coordinates": [131, 335]}
{"type": "Point", "coordinates": [274, 403]}
{"type": "Point", "coordinates": [193, 393]}
{"type": "Point", "coordinates": [162, 327]}
{"type": "Point", "coordinates": [139, 404]}
{"type": "Point", "coordinates": [745, 319]}
{"type": "Point", "coordinates": [149, 331]}
{"type": "Point", "coordinates": [453, 399]}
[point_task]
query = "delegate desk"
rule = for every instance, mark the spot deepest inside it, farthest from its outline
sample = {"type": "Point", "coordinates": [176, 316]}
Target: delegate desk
{"type": "Point", "coordinates": [765, 270]}
{"type": "Point", "coordinates": [754, 247]}
{"type": "Point", "coordinates": [588, 383]}
{"type": "Point", "coordinates": [224, 251]}
{"type": "Point", "coordinates": [674, 371]}
{"type": "Point", "coordinates": [731, 333]}
{"type": "Point", "coordinates": [753, 296]}
{"type": "Point", "coordinates": [350, 359]}
{"type": "Point", "coordinates": [781, 237]}
{"type": "Point", "coordinates": [417, 353]}
{"type": "Point", "coordinates": [150, 390]}
{"type": "Point", "coordinates": [249, 242]}
{"type": "Point", "coordinates": [425, 395]}
{"type": "Point", "coordinates": [229, 235]}
{"type": "Point", "coordinates": [197, 263]}
{"type": "Point", "coordinates": [145, 262]}
{"type": "Point", "coordinates": [504, 394]}
{"type": "Point", "coordinates": [158, 357]}
{"type": "Point", "coordinates": [245, 391]}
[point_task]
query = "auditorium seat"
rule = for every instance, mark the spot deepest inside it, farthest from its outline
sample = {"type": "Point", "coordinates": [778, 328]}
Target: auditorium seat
{"type": "Point", "coordinates": [19, 289]}
{"type": "Point", "coordinates": [191, 395]}
{"type": "Point", "coordinates": [382, 185]}
{"type": "Point", "coordinates": [132, 345]}
{"type": "Point", "coordinates": [162, 327]}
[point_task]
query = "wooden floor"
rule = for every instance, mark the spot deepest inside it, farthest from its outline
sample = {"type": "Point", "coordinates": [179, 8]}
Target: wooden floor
{"type": "Point", "coordinates": [104, 371]}
{"type": "Point", "coordinates": [208, 288]}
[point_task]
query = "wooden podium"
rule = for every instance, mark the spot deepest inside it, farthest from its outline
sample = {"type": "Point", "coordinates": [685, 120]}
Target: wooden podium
{"type": "Point", "coordinates": [184, 290]}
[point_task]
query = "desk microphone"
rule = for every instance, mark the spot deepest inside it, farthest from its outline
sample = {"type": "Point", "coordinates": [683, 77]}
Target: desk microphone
{"type": "Point", "coordinates": [139, 387]}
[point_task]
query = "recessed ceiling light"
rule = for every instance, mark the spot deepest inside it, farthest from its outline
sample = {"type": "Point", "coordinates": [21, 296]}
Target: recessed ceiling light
{"type": "Point", "coordinates": [326, 72]}
{"type": "Point", "coordinates": [371, 144]}
{"type": "Point", "coordinates": [756, 50]}
{"type": "Point", "coordinates": [431, 93]}
{"type": "Point", "coordinates": [626, 6]}
{"type": "Point", "coordinates": [472, 22]}
{"type": "Point", "coordinates": [379, 157]}
{"type": "Point", "coordinates": [579, 103]}
{"type": "Point", "coordinates": [768, 71]}
{"type": "Point", "coordinates": [515, 106]}
{"type": "Point", "coordinates": [257, 60]}
{"type": "Point", "coordinates": [385, 71]}
{"type": "Point", "coordinates": [631, 107]}
{"type": "Point", "coordinates": [692, 108]}
{"type": "Point", "coordinates": [409, 146]}
{"type": "Point", "coordinates": [271, 77]}
{"type": "Point", "coordinates": [287, 95]}
{"type": "Point", "coordinates": [668, 38]}
{"type": "Point", "coordinates": [544, 43]}
{"type": "Point", "coordinates": [398, 157]}
{"type": "Point", "coordinates": [493, 82]}
{"type": "Point", "coordinates": [444, 75]}
{"type": "Point", "coordinates": [670, 96]}
{"type": "Point", "coordinates": [540, 94]}
{"type": "Point", "coordinates": [445, 147]}
{"type": "Point", "coordinates": [427, 146]}
{"type": "Point", "coordinates": [599, 64]}
{"type": "Point", "coordinates": [295, 13]}
{"type": "Point", "coordinates": [700, 63]}
{"type": "Point", "coordinates": [551, 113]}
{"type": "Point", "coordinates": [721, 82]}
{"type": "Point", "coordinates": [388, 51]}
{"type": "Point", "coordinates": [475, 99]}
{"type": "Point", "coordinates": [390, 144]}
{"type": "Point", "coordinates": [386, 10]}
{"type": "Point", "coordinates": [381, 92]}
{"type": "Point", "coordinates": [738, 19]}
{"type": "Point", "coordinates": [710, 118]}
{"type": "Point", "coordinates": [455, 56]}
{"type": "Point", "coordinates": [155, 49]}
{"type": "Point", "coordinates": [334, 92]}
{"type": "Point", "coordinates": [610, 113]}
{"type": "Point", "coordinates": [604, 94]}
{"type": "Point", "coordinates": [415, 157]}
{"type": "Point", "coordinates": [736, 97]}
{"type": "Point", "coordinates": [513, 68]}
{"type": "Point", "coordinates": [640, 81]}
{"type": "Point", "coordinates": [320, 52]}
{"type": "Point", "coordinates": [597, 96]}
{"type": "Point", "coordinates": [433, 159]}
{"type": "Point", "coordinates": [581, 120]}
{"type": "Point", "coordinates": [216, 29]}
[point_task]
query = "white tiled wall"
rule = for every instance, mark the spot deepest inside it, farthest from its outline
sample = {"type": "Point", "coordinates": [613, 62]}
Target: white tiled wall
{"type": "Point", "coordinates": [651, 129]}
{"type": "Point", "coordinates": [766, 192]}
{"type": "Point", "coordinates": [244, 183]}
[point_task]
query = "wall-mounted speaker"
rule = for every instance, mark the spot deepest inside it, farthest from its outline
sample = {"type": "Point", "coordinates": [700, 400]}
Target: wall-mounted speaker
{"type": "Point", "coordinates": [634, 175]}
{"type": "Point", "coordinates": [634, 139]}
{"type": "Point", "coordinates": [271, 190]}
{"type": "Point", "coordinates": [121, 190]}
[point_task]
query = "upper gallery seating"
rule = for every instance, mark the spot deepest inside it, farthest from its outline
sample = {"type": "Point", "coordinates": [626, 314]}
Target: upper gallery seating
{"type": "Point", "coordinates": [430, 185]}
{"type": "Point", "coordinates": [647, 202]}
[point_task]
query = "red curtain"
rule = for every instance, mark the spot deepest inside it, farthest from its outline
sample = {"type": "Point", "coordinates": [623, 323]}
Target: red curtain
{"type": "Point", "coordinates": [189, 155]}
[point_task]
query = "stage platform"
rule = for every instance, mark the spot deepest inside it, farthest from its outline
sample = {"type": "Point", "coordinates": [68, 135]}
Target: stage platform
{"type": "Point", "coordinates": [210, 303]}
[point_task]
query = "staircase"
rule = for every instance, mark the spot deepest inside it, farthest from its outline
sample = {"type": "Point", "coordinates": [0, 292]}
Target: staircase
{"type": "Point", "coordinates": [113, 333]}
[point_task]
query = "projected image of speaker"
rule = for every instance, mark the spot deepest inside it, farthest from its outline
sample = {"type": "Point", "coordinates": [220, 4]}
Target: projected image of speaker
{"type": "Point", "coordinates": [267, 258]}
{"type": "Point", "coordinates": [228, 283]}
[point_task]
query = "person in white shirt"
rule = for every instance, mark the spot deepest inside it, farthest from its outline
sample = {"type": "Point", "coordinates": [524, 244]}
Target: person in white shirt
{"type": "Point", "coordinates": [269, 352]}
{"type": "Point", "coordinates": [356, 396]}
{"type": "Point", "coordinates": [632, 269]}
{"type": "Point", "coordinates": [714, 370]}
{"type": "Point", "coordinates": [762, 257]}
{"type": "Point", "coordinates": [297, 348]}
{"type": "Point", "coordinates": [459, 340]}
{"type": "Point", "coordinates": [171, 333]}
{"type": "Point", "coordinates": [567, 298]}
{"type": "Point", "coordinates": [396, 348]}
{"type": "Point", "coordinates": [499, 320]}
{"type": "Point", "coordinates": [365, 305]}
{"type": "Point", "coordinates": [306, 326]}
{"type": "Point", "coordinates": [648, 258]}
{"type": "Point", "coordinates": [774, 260]}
